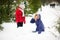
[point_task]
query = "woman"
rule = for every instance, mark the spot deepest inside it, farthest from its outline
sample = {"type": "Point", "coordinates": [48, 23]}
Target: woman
{"type": "Point", "coordinates": [39, 24]}
{"type": "Point", "coordinates": [19, 17]}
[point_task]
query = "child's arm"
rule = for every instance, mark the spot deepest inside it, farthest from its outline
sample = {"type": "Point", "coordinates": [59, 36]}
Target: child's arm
{"type": "Point", "coordinates": [32, 20]}
{"type": "Point", "coordinates": [24, 20]}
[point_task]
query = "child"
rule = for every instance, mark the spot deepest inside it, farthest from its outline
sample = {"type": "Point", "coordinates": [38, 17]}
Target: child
{"type": "Point", "coordinates": [39, 24]}
{"type": "Point", "coordinates": [19, 17]}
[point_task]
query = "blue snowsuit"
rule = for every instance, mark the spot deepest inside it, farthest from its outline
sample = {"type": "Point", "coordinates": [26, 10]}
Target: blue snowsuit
{"type": "Point", "coordinates": [39, 24]}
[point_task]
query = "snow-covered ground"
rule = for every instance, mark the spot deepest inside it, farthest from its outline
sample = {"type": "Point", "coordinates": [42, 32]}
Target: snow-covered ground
{"type": "Point", "coordinates": [48, 15]}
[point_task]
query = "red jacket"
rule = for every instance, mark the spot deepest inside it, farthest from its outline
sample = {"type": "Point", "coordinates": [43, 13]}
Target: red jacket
{"type": "Point", "coordinates": [19, 16]}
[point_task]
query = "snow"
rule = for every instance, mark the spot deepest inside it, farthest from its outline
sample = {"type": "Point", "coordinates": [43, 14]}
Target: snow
{"type": "Point", "coordinates": [48, 16]}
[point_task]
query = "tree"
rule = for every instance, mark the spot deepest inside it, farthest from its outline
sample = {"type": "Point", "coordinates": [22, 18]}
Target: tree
{"type": "Point", "coordinates": [7, 8]}
{"type": "Point", "coordinates": [32, 6]}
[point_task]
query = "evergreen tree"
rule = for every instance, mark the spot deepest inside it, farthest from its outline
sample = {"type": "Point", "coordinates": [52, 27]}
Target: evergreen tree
{"type": "Point", "coordinates": [7, 8]}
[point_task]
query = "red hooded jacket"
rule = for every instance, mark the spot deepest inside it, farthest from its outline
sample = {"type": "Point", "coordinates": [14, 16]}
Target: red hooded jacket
{"type": "Point", "coordinates": [19, 16]}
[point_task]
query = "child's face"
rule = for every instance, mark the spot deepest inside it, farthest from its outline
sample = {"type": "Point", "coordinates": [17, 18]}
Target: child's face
{"type": "Point", "coordinates": [37, 17]}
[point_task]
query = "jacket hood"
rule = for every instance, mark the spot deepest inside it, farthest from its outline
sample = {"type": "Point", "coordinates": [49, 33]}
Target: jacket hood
{"type": "Point", "coordinates": [39, 17]}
